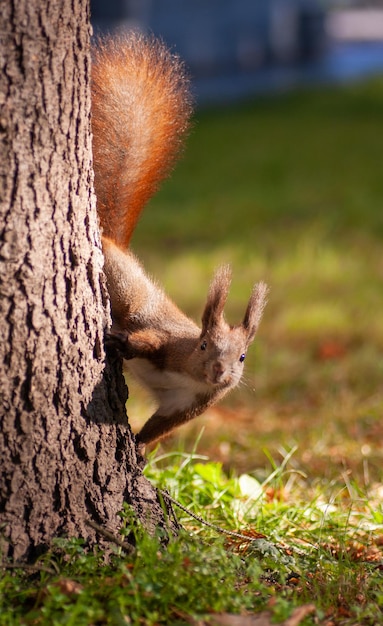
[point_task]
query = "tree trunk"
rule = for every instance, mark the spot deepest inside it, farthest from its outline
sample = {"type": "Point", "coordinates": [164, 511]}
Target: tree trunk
{"type": "Point", "coordinates": [67, 453]}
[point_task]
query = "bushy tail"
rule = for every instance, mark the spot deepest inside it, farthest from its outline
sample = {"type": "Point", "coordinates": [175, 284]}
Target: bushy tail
{"type": "Point", "coordinates": [141, 107]}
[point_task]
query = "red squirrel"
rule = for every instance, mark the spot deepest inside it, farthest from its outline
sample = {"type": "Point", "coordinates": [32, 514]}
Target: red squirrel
{"type": "Point", "coordinates": [140, 113]}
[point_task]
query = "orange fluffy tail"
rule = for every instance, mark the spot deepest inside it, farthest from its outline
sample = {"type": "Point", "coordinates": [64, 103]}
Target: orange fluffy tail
{"type": "Point", "coordinates": [140, 112]}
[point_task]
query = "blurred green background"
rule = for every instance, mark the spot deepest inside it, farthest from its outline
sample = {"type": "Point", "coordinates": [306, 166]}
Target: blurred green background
{"type": "Point", "coordinates": [288, 189]}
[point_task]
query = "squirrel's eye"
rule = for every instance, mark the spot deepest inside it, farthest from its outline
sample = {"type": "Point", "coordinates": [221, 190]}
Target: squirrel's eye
{"type": "Point", "coordinates": [204, 345]}
{"type": "Point", "coordinates": [242, 358]}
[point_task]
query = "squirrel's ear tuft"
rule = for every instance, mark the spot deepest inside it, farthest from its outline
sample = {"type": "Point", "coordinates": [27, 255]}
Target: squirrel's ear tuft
{"type": "Point", "coordinates": [216, 299]}
{"type": "Point", "coordinates": [255, 310]}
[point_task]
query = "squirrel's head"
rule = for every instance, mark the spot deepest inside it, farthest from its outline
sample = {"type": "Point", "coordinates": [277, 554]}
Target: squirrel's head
{"type": "Point", "coordinates": [222, 348]}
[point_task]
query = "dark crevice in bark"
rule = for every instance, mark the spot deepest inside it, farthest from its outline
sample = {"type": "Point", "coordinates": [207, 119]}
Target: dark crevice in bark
{"type": "Point", "coordinates": [56, 400]}
{"type": "Point", "coordinates": [17, 422]}
{"type": "Point", "coordinates": [68, 287]}
{"type": "Point", "coordinates": [25, 389]}
{"type": "Point", "coordinates": [96, 476]}
{"type": "Point", "coordinates": [56, 499]}
{"type": "Point", "coordinates": [14, 182]}
{"type": "Point", "coordinates": [92, 510]}
{"type": "Point", "coordinates": [80, 449]}
{"type": "Point", "coordinates": [98, 348]}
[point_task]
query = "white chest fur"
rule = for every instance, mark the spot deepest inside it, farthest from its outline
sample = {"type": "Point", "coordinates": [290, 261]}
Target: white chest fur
{"type": "Point", "coordinates": [173, 391]}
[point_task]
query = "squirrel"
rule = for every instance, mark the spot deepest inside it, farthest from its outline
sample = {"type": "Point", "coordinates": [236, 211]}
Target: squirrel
{"type": "Point", "coordinates": [140, 114]}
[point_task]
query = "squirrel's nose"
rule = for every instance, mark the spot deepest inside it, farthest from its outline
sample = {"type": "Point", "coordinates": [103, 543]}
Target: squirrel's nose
{"type": "Point", "coordinates": [218, 371]}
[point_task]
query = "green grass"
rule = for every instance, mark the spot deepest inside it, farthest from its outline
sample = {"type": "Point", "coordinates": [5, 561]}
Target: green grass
{"type": "Point", "coordinates": [306, 551]}
{"type": "Point", "coordinates": [288, 190]}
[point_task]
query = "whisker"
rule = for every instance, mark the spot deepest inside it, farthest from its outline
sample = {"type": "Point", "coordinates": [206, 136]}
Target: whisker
{"type": "Point", "coordinates": [248, 382]}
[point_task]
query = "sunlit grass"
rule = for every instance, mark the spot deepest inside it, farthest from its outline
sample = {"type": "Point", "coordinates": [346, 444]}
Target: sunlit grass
{"type": "Point", "coordinates": [301, 546]}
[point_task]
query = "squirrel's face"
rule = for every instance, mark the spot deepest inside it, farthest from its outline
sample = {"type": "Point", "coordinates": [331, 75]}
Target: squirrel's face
{"type": "Point", "coordinates": [220, 354]}
{"type": "Point", "coordinates": [223, 347]}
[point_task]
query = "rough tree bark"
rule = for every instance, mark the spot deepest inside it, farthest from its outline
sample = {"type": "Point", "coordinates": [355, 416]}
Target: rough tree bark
{"type": "Point", "coordinates": [66, 449]}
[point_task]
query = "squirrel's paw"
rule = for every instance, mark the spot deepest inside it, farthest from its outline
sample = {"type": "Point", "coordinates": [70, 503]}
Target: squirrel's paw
{"type": "Point", "coordinates": [118, 341]}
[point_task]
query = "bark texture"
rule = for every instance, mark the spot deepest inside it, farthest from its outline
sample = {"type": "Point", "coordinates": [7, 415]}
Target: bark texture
{"type": "Point", "coordinates": [65, 445]}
